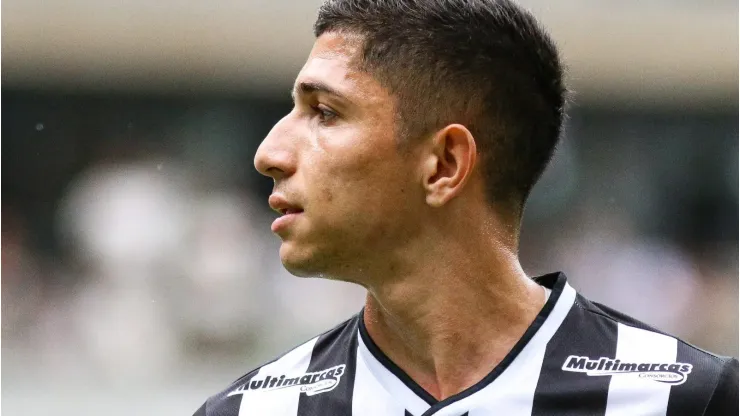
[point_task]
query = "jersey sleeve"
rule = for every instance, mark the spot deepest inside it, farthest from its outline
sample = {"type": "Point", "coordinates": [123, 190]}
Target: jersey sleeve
{"type": "Point", "coordinates": [724, 400]}
{"type": "Point", "coordinates": [224, 404]}
{"type": "Point", "coordinates": [201, 411]}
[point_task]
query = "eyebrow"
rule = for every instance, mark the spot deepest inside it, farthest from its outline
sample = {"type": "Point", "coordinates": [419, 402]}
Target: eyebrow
{"type": "Point", "coordinates": [312, 87]}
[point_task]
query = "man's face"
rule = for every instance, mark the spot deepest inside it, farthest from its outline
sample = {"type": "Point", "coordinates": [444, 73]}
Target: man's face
{"type": "Point", "coordinates": [351, 196]}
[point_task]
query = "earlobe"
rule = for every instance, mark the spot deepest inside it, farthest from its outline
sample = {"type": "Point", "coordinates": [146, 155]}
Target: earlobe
{"type": "Point", "coordinates": [436, 199]}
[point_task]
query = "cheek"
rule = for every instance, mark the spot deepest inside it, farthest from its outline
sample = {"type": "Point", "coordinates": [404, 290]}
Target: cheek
{"type": "Point", "coordinates": [364, 194]}
{"type": "Point", "coordinates": [352, 174]}
{"type": "Point", "coordinates": [360, 173]}
{"type": "Point", "coordinates": [327, 194]}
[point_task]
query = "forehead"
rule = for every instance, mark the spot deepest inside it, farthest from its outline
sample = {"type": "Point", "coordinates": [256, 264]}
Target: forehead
{"type": "Point", "coordinates": [333, 62]}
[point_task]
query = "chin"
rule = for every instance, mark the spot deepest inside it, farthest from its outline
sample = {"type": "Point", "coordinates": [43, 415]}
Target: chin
{"type": "Point", "coordinates": [299, 263]}
{"type": "Point", "coordinates": [300, 272]}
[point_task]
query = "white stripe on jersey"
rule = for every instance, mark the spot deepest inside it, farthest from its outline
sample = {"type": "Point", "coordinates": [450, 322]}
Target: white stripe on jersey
{"type": "Point", "coordinates": [629, 395]}
{"type": "Point", "coordinates": [512, 393]}
{"type": "Point", "coordinates": [370, 397]}
{"type": "Point", "coordinates": [383, 383]}
{"type": "Point", "coordinates": [282, 401]}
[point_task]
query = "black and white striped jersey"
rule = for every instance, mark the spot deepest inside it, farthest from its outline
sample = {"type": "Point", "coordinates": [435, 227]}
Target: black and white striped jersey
{"type": "Point", "coordinates": [577, 358]}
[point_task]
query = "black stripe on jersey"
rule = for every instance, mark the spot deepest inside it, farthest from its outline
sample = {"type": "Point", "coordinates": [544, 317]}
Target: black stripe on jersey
{"type": "Point", "coordinates": [557, 390]}
{"type": "Point", "coordinates": [201, 411]}
{"type": "Point", "coordinates": [724, 399]}
{"type": "Point", "coordinates": [553, 281]}
{"type": "Point", "coordinates": [224, 405]}
{"type": "Point", "coordinates": [333, 348]}
{"type": "Point", "coordinates": [692, 397]}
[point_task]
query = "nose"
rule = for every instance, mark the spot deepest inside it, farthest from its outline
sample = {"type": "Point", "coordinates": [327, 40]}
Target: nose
{"type": "Point", "coordinates": [275, 156]}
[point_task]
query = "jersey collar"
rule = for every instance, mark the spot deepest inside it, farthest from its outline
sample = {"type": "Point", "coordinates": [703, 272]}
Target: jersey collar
{"type": "Point", "coordinates": [418, 401]}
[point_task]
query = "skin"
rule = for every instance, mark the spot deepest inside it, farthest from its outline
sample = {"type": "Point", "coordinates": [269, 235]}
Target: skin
{"type": "Point", "coordinates": [447, 297]}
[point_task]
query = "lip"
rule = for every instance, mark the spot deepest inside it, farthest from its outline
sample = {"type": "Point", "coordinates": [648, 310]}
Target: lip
{"type": "Point", "coordinates": [288, 211]}
{"type": "Point", "coordinates": [281, 205]}
{"type": "Point", "coordinates": [282, 222]}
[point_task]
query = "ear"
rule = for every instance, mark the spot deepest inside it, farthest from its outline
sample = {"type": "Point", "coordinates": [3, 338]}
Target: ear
{"type": "Point", "coordinates": [448, 164]}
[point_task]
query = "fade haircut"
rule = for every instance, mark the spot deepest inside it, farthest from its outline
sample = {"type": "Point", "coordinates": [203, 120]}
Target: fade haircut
{"type": "Point", "coordinates": [486, 64]}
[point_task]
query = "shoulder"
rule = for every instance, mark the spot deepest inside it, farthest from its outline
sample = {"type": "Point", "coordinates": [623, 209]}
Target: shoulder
{"type": "Point", "coordinates": [701, 383]}
{"type": "Point", "coordinates": [284, 371]}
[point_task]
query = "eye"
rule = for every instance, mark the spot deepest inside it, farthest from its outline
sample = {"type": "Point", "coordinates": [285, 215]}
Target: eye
{"type": "Point", "coordinates": [325, 114]}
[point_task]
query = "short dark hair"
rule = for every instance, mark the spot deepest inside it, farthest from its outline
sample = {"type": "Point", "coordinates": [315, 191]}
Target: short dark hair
{"type": "Point", "coordinates": [486, 64]}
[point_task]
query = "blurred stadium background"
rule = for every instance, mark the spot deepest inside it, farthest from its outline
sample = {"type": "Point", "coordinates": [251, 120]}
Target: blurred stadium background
{"type": "Point", "coordinates": [139, 275]}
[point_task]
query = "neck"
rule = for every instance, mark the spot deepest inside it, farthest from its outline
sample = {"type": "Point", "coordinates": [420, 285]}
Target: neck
{"type": "Point", "coordinates": [454, 313]}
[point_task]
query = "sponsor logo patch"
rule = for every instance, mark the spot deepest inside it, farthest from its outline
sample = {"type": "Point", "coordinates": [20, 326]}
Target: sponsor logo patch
{"type": "Point", "coordinates": [309, 383]}
{"type": "Point", "coordinates": [669, 373]}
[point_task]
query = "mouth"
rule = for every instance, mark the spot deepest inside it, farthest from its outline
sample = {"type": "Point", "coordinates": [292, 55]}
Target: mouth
{"type": "Point", "coordinates": [282, 205]}
{"type": "Point", "coordinates": [287, 217]}
{"type": "Point", "coordinates": [289, 211]}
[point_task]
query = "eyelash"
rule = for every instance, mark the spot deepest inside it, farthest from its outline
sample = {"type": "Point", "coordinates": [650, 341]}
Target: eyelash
{"type": "Point", "coordinates": [325, 116]}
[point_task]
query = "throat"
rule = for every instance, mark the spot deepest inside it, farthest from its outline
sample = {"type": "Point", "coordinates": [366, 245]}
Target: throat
{"type": "Point", "coordinates": [446, 342]}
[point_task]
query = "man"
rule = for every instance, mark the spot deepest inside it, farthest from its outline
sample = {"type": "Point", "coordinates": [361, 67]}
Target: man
{"type": "Point", "coordinates": [419, 128]}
